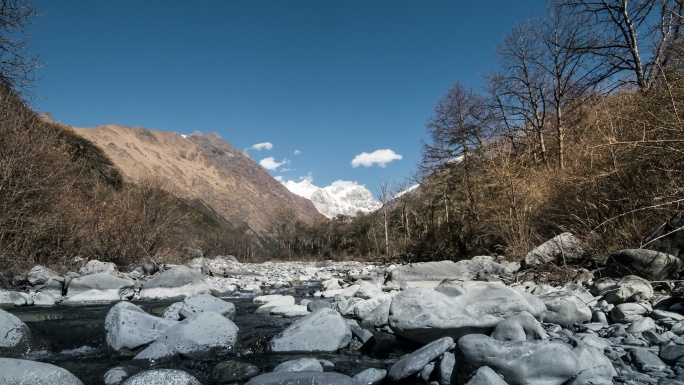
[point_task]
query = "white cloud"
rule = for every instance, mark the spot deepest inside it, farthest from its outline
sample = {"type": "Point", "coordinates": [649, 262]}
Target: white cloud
{"type": "Point", "coordinates": [297, 152]}
{"type": "Point", "coordinates": [271, 164]}
{"type": "Point", "coordinates": [308, 177]}
{"type": "Point", "coordinates": [279, 178]}
{"type": "Point", "coordinates": [344, 183]}
{"type": "Point", "coordinates": [379, 157]}
{"type": "Point", "coordinates": [263, 146]}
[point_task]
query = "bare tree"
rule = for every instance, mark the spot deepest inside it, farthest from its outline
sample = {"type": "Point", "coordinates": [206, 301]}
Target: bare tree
{"type": "Point", "coordinates": [17, 64]}
{"type": "Point", "coordinates": [629, 36]}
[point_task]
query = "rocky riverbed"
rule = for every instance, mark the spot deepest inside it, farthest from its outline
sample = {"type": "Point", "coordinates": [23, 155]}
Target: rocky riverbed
{"type": "Point", "coordinates": [478, 321]}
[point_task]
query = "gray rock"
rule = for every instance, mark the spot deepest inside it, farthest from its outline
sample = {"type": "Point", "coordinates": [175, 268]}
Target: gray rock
{"type": "Point", "coordinates": [302, 378]}
{"type": "Point", "coordinates": [15, 336]}
{"type": "Point", "coordinates": [324, 330]}
{"type": "Point", "coordinates": [197, 337]}
{"type": "Point", "coordinates": [40, 275]}
{"type": "Point", "coordinates": [649, 264]}
{"type": "Point", "coordinates": [645, 360]}
{"type": "Point", "coordinates": [119, 288]}
{"type": "Point", "coordinates": [119, 374]}
{"type": "Point", "coordinates": [317, 304]}
{"type": "Point", "coordinates": [431, 273]}
{"type": "Point", "coordinates": [629, 312]}
{"type": "Point", "coordinates": [519, 327]}
{"type": "Point", "coordinates": [595, 367]}
{"type": "Point", "coordinates": [177, 282]}
{"type": "Point", "coordinates": [20, 299]}
{"type": "Point", "coordinates": [564, 248]}
{"type": "Point", "coordinates": [484, 375]}
{"type": "Point", "coordinates": [129, 327]}
{"type": "Point", "coordinates": [162, 377]}
{"type": "Point", "coordinates": [630, 288]}
{"type": "Point", "coordinates": [446, 368]}
{"type": "Point", "coordinates": [24, 372]}
{"type": "Point", "coordinates": [457, 309]}
{"type": "Point", "coordinates": [602, 285]}
{"type": "Point", "coordinates": [232, 371]}
{"type": "Point", "coordinates": [285, 300]}
{"type": "Point", "coordinates": [412, 363]}
{"type": "Point", "coordinates": [172, 312]}
{"type": "Point", "coordinates": [565, 309]}
{"type": "Point", "coordinates": [373, 311]}
{"type": "Point", "coordinates": [368, 290]}
{"type": "Point", "coordinates": [370, 376]}
{"type": "Point", "coordinates": [96, 267]}
{"type": "Point", "coordinates": [45, 299]}
{"type": "Point", "coordinates": [204, 302]}
{"type": "Point", "coordinates": [519, 362]}
{"type": "Point", "coordinates": [302, 364]}
{"type": "Point", "coordinates": [671, 353]}
{"type": "Point", "coordinates": [641, 325]}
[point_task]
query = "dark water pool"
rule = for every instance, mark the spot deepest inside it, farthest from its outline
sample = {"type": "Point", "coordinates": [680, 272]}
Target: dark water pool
{"type": "Point", "coordinates": [72, 337]}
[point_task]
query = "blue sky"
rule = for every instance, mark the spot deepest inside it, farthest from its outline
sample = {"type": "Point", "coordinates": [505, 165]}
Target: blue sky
{"type": "Point", "coordinates": [316, 83]}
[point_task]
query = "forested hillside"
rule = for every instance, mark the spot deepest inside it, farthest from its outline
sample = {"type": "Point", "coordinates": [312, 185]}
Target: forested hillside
{"type": "Point", "coordinates": [578, 129]}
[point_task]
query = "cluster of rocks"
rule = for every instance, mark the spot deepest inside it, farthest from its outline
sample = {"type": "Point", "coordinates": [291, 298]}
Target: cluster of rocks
{"type": "Point", "coordinates": [477, 323]}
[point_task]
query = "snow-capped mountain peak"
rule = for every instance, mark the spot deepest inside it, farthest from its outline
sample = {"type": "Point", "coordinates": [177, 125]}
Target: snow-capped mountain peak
{"type": "Point", "coordinates": [340, 198]}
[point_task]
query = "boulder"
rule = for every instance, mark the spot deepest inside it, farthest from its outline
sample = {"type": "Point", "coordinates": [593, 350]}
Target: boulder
{"type": "Point", "coordinates": [430, 274]}
{"type": "Point", "coordinates": [204, 302]}
{"type": "Point", "coordinates": [275, 302]}
{"type": "Point", "coordinates": [455, 309]}
{"type": "Point", "coordinates": [196, 337]}
{"type": "Point", "coordinates": [302, 378]}
{"type": "Point", "coordinates": [119, 374]}
{"type": "Point", "coordinates": [561, 249]}
{"type": "Point", "coordinates": [317, 304]}
{"type": "Point", "coordinates": [15, 336]}
{"type": "Point", "coordinates": [128, 327]}
{"type": "Point", "coordinates": [595, 367]}
{"type": "Point", "coordinates": [446, 368]}
{"type": "Point", "coordinates": [413, 363]}
{"type": "Point", "coordinates": [233, 371]}
{"type": "Point", "coordinates": [302, 364]}
{"type": "Point", "coordinates": [484, 375]}
{"type": "Point", "coordinates": [324, 330]}
{"type": "Point", "coordinates": [24, 372]}
{"type": "Point", "coordinates": [162, 377]}
{"type": "Point", "coordinates": [630, 288]}
{"type": "Point", "coordinates": [370, 376]}
{"type": "Point", "coordinates": [565, 309]}
{"type": "Point", "coordinates": [649, 264]}
{"type": "Point", "coordinates": [96, 267]}
{"type": "Point", "coordinates": [519, 327]}
{"type": "Point", "coordinates": [518, 362]}
{"type": "Point", "coordinates": [368, 290]}
{"type": "Point", "coordinates": [629, 312]}
{"type": "Point", "coordinates": [178, 282]}
{"type": "Point", "coordinates": [40, 275]}
{"type": "Point", "coordinates": [110, 285]}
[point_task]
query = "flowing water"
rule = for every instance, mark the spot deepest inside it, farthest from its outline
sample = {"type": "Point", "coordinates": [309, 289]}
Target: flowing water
{"type": "Point", "coordinates": [72, 337]}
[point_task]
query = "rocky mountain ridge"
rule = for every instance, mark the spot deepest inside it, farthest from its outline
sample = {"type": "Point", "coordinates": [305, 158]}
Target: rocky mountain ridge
{"type": "Point", "coordinates": [202, 167]}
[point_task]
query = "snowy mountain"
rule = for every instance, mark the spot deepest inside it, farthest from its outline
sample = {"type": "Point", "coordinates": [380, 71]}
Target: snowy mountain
{"type": "Point", "coordinates": [342, 197]}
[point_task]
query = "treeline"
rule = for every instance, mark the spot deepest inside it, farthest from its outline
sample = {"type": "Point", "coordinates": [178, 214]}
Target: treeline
{"type": "Point", "coordinates": [580, 129]}
{"type": "Point", "coordinates": [61, 198]}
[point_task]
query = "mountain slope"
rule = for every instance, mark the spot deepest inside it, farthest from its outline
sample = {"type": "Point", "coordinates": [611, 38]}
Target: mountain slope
{"type": "Point", "coordinates": [205, 167]}
{"type": "Point", "coordinates": [340, 198]}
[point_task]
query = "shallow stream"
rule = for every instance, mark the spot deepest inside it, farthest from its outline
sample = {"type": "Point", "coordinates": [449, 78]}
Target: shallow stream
{"type": "Point", "coordinates": [72, 337]}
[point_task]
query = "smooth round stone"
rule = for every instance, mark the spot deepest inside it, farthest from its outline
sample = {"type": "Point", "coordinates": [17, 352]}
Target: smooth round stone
{"type": "Point", "coordinates": [300, 365]}
{"type": "Point", "coordinates": [232, 371]}
{"type": "Point", "coordinates": [162, 377]}
{"type": "Point", "coordinates": [370, 376]}
{"type": "Point", "coordinates": [24, 372]}
{"type": "Point", "coordinates": [414, 362]}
